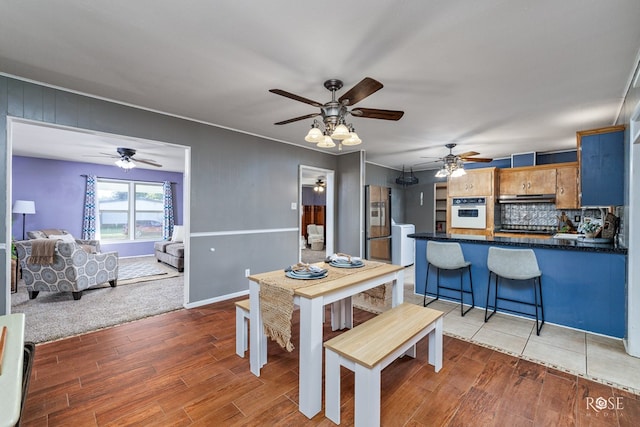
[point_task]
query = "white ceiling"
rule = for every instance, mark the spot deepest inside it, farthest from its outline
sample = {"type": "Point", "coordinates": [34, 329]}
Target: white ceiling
{"type": "Point", "coordinates": [493, 76]}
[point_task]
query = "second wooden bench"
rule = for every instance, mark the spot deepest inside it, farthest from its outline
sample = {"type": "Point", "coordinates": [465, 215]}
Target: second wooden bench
{"type": "Point", "coordinates": [369, 347]}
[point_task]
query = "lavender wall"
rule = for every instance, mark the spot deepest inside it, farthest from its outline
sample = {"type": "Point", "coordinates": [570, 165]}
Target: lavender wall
{"type": "Point", "coordinates": [58, 187]}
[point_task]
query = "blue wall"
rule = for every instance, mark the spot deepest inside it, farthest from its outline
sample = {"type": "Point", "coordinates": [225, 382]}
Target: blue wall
{"type": "Point", "coordinates": [58, 187]}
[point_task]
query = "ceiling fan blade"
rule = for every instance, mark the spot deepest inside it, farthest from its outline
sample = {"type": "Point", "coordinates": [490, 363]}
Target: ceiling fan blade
{"type": "Point", "coordinates": [113, 156]}
{"type": "Point", "coordinates": [476, 159]}
{"type": "Point", "coordinates": [374, 113]}
{"type": "Point", "coordinates": [147, 162]}
{"type": "Point", "coordinates": [468, 154]}
{"type": "Point", "coordinates": [295, 119]}
{"type": "Point", "coordinates": [366, 87]}
{"type": "Point", "coordinates": [295, 97]}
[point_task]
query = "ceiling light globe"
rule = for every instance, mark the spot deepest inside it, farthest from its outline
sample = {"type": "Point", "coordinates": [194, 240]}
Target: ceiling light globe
{"type": "Point", "coordinates": [125, 164]}
{"type": "Point", "coordinates": [352, 140]}
{"type": "Point", "coordinates": [442, 173]}
{"type": "Point", "coordinates": [458, 172]}
{"type": "Point", "coordinates": [340, 132]}
{"type": "Point", "coordinates": [327, 142]}
{"type": "Point", "coordinates": [314, 136]}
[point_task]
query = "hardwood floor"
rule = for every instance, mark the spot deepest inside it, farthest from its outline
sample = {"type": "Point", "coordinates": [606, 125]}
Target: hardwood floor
{"type": "Point", "coordinates": [180, 369]}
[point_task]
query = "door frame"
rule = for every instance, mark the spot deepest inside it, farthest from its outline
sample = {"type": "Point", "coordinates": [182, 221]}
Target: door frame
{"type": "Point", "coordinates": [186, 200]}
{"type": "Point", "coordinates": [303, 172]}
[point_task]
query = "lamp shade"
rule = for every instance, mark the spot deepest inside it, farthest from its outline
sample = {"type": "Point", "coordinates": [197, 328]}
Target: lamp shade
{"type": "Point", "coordinates": [125, 164]}
{"type": "Point", "coordinates": [24, 207]}
{"type": "Point", "coordinates": [352, 140]}
{"type": "Point", "coordinates": [340, 132]}
{"type": "Point", "coordinates": [458, 172]}
{"type": "Point", "coordinates": [314, 136]}
{"type": "Point", "coordinates": [327, 142]}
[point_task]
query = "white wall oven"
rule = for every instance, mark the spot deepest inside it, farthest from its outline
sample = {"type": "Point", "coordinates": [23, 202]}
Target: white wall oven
{"type": "Point", "coordinates": [469, 212]}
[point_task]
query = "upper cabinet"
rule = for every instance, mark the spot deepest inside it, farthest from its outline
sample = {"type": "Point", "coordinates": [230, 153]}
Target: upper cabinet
{"type": "Point", "coordinates": [601, 160]}
{"type": "Point", "coordinates": [567, 187]}
{"type": "Point", "coordinates": [476, 182]}
{"type": "Point", "coordinates": [527, 180]}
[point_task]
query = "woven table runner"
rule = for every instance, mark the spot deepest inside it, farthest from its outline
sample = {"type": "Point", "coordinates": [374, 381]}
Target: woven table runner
{"type": "Point", "coordinates": [276, 299]}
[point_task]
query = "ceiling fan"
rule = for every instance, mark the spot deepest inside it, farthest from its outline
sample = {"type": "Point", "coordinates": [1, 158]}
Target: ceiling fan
{"type": "Point", "coordinates": [126, 159]}
{"type": "Point", "coordinates": [453, 164]}
{"type": "Point", "coordinates": [335, 111]}
{"type": "Point", "coordinates": [319, 186]}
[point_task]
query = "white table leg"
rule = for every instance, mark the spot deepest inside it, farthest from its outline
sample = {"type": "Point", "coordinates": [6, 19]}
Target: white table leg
{"type": "Point", "coordinates": [342, 314]}
{"type": "Point", "coordinates": [310, 381]}
{"type": "Point", "coordinates": [336, 315]}
{"type": "Point", "coordinates": [411, 352]}
{"type": "Point", "coordinates": [435, 346]}
{"type": "Point", "coordinates": [367, 396]}
{"type": "Point", "coordinates": [332, 386]}
{"type": "Point", "coordinates": [257, 350]}
{"type": "Point", "coordinates": [397, 290]}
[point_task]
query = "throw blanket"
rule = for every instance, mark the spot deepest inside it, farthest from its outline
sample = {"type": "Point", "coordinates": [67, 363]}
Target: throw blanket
{"type": "Point", "coordinates": [43, 251]}
{"type": "Point", "coordinates": [276, 299]}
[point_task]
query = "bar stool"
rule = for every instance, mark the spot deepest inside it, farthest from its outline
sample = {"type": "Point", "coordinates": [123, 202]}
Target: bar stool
{"type": "Point", "coordinates": [515, 264]}
{"type": "Point", "coordinates": [447, 256]}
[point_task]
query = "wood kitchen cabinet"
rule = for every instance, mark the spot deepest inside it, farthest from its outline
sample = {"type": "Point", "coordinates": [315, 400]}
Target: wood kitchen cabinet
{"type": "Point", "coordinates": [601, 159]}
{"type": "Point", "coordinates": [567, 187]}
{"type": "Point", "coordinates": [476, 182]}
{"type": "Point", "coordinates": [527, 180]}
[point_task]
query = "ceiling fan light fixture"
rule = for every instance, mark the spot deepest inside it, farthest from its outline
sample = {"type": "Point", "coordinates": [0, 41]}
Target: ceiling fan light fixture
{"type": "Point", "coordinates": [326, 142]}
{"type": "Point", "coordinates": [340, 132]}
{"type": "Point", "coordinates": [442, 173]}
{"type": "Point", "coordinates": [315, 135]}
{"type": "Point", "coordinates": [353, 139]}
{"type": "Point", "coordinates": [458, 171]}
{"type": "Point", "coordinates": [333, 113]}
{"type": "Point", "coordinates": [125, 164]}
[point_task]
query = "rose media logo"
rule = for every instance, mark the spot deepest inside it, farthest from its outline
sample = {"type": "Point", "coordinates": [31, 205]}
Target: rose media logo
{"type": "Point", "coordinates": [604, 406]}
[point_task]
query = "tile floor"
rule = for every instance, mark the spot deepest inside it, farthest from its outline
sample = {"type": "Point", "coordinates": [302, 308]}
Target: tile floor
{"type": "Point", "coordinates": [592, 356]}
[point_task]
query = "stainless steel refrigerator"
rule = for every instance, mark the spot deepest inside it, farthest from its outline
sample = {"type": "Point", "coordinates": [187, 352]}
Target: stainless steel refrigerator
{"type": "Point", "coordinates": [377, 223]}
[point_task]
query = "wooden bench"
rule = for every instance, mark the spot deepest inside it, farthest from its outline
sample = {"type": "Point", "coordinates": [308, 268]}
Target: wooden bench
{"type": "Point", "coordinates": [242, 327]}
{"type": "Point", "coordinates": [341, 317]}
{"type": "Point", "coordinates": [369, 347]}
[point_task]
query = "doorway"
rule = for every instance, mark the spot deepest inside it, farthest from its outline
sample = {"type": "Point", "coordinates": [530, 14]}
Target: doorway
{"type": "Point", "coordinates": [316, 209]}
{"type": "Point", "coordinates": [45, 141]}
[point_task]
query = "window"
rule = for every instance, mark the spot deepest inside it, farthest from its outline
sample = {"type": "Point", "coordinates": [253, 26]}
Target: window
{"type": "Point", "coordinates": [122, 203]}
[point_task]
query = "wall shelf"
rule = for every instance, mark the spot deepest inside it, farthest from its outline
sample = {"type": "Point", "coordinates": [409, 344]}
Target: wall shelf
{"type": "Point", "coordinates": [440, 207]}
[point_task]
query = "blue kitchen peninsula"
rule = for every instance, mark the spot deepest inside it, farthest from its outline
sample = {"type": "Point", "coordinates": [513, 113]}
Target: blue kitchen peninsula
{"type": "Point", "coordinates": [583, 284]}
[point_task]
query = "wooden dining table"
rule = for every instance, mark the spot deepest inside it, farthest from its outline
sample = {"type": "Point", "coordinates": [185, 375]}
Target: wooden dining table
{"type": "Point", "coordinates": [311, 296]}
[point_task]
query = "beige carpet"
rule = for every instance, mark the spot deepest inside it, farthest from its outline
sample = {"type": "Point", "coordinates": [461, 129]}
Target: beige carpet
{"type": "Point", "coordinates": [55, 315]}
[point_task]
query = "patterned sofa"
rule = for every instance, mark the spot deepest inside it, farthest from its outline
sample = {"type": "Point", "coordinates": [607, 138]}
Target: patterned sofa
{"type": "Point", "coordinates": [74, 268]}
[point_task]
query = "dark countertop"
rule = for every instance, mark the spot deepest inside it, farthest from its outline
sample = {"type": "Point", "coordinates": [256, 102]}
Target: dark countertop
{"type": "Point", "coordinates": [527, 242]}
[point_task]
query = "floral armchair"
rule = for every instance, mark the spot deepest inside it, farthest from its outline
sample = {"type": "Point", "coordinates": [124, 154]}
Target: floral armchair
{"type": "Point", "coordinates": [73, 268]}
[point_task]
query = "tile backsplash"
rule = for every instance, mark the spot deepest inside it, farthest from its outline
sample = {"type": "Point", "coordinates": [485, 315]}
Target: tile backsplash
{"type": "Point", "coordinates": [542, 215]}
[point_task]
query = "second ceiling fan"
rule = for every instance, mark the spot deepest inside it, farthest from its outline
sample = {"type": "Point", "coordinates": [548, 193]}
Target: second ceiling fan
{"type": "Point", "coordinates": [453, 164]}
{"type": "Point", "coordinates": [335, 111]}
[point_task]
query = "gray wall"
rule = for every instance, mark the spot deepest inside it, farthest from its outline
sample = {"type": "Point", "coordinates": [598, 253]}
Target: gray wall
{"type": "Point", "coordinates": [421, 216]}
{"type": "Point", "coordinates": [238, 182]}
{"type": "Point", "coordinates": [349, 199]}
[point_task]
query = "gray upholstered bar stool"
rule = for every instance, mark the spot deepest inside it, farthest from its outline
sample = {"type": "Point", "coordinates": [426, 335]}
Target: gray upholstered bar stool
{"type": "Point", "coordinates": [515, 264]}
{"type": "Point", "coordinates": [447, 256]}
